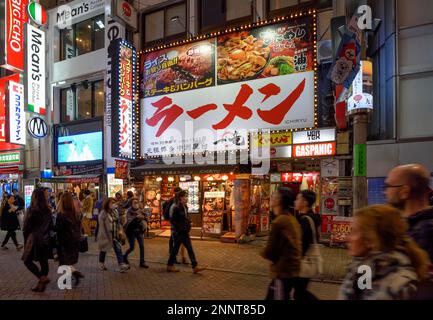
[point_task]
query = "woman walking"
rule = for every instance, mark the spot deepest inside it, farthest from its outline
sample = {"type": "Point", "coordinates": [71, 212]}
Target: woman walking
{"type": "Point", "coordinates": [379, 243]}
{"type": "Point", "coordinates": [68, 229]}
{"type": "Point", "coordinates": [310, 223]}
{"type": "Point", "coordinates": [134, 229]}
{"type": "Point", "coordinates": [110, 234]}
{"type": "Point", "coordinates": [10, 221]}
{"type": "Point", "coordinates": [284, 246]}
{"type": "Point", "coordinates": [181, 226]}
{"type": "Point", "coordinates": [37, 226]}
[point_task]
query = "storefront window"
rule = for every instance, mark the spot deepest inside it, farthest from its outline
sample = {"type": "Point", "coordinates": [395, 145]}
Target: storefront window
{"type": "Point", "coordinates": [217, 13]}
{"type": "Point", "coordinates": [281, 7]}
{"type": "Point", "coordinates": [82, 101]}
{"type": "Point", "coordinates": [82, 38]}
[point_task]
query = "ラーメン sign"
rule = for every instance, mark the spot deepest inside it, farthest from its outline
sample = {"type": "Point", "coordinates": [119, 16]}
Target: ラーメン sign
{"type": "Point", "coordinates": [12, 23]}
{"type": "Point", "coordinates": [35, 67]}
{"type": "Point", "coordinates": [17, 115]}
{"type": "Point", "coordinates": [207, 95]}
{"type": "Point", "coordinates": [123, 100]}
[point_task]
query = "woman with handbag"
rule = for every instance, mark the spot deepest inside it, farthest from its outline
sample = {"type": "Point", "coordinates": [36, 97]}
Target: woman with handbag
{"type": "Point", "coordinates": [379, 243]}
{"type": "Point", "coordinates": [68, 229]}
{"type": "Point", "coordinates": [310, 223]}
{"type": "Point", "coordinates": [10, 221]}
{"type": "Point", "coordinates": [110, 234]}
{"type": "Point", "coordinates": [134, 229]}
{"type": "Point", "coordinates": [284, 246]}
{"type": "Point", "coordinates": [37, 226]}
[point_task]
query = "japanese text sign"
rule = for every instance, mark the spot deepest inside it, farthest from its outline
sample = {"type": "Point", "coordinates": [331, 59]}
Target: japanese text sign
{"type": "Point", "coordinates": [122, 170]}
{"type": "Point", "coordinates": [17, 116]}
{"type": "Point", "coordinates": [220, 117]}
{"type": "Point", "coordinates": [10, 157]}
{"type": "Point", "coordinates": [123, 99]}
{"type": "Point", "coordinates": [314, 136]}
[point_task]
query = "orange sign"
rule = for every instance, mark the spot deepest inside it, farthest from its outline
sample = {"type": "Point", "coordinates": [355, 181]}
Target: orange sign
{"type": "Point", "coordinates": [314, 150]}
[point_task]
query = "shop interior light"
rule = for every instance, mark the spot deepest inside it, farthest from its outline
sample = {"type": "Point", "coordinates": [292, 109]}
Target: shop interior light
{"type": "Point", "coordinates": [100, 24]}
{"type": "Point", "coordinates": [225, 177]}
{"type": "Point", "coordinates": [171, 179]}
{"type": "Point", "coordinates": [197, 178]}
{"type": "Point", "coordinates": [182, 179]}
{"type": "Point", "coordinates": [210, 179]}
{"type": "Point", "coordinates": [159, 179]}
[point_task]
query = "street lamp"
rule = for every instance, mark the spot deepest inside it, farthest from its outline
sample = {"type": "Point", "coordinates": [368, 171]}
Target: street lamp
{"type": "Point", "coordinates": [178, 20]}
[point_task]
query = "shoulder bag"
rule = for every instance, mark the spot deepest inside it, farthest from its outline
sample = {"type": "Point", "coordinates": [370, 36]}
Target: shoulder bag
{"type": "Point", "coordinates": [312, 262]}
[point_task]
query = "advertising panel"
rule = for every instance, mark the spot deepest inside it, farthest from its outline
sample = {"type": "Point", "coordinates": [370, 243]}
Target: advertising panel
{"type": "Point", "coordinates": [123, 115]}
{"type": "Point", "coordinates": [80, 147]}
{"type": "Point", "coordinates": [35, 70]}
{"type": "Point", "coordinates": [255, 78]}
{"type": "Point", "coordinates": [16, 114]}
{"type": "Point", "coordinates": [122, 170]}
{"type": "Point", "coordinates": [13, 18]}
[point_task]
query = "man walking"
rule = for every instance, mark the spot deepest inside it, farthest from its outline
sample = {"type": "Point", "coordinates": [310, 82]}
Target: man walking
{"type": "Point", "coordinates": [407, 188]}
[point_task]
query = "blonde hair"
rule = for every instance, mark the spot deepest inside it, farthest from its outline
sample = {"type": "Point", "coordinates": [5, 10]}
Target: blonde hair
{"type": "Point", "coordinates": [383, 227]}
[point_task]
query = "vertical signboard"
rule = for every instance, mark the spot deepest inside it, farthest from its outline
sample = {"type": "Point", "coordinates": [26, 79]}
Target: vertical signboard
{"type": "Point", "coordinates": [16, 114]}
{"type": "Point", "coordinates": [113, 31]}
{"type": "Point", "coordinates": [35, 70]}
{"type": "Point", "coordinates": [123, 97]}
{"type": "Point", "coordinates": [28, 191]}
{"type": "Point", "coordinates": [12, 20]}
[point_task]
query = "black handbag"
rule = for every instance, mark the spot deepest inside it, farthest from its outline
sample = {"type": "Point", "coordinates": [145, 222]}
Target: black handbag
{"type": "Point", "coordinates": [84, 245]}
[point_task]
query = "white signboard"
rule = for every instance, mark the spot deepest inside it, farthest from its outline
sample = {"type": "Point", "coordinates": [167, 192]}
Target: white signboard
{"type": "Point", "coordinates": [329, 168]}
{"type": "Point", "coordinates": [216, 123]}
{"type": "Point", "coordinates": [314, 136]}
{"type": "Point", "coordinates": [281, 152]}
{"type": "Point", "coordinates": [17, 115]}
{"type": "Point", "coordinates": [75, 11]}
{"type": "Point", "coordinates": [362, 88]}
{"type": "Point", "coordinates": [35, 75]}
{"type": "Point", "coordinates": [126, 12]}
{"type": "Point", "coordinates": [214, 194]}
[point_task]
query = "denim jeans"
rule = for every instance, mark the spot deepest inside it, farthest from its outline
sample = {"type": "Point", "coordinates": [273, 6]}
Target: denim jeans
{"type": "Point", "coordinates": [117, 247]}
{"type": "Point", "coordinates": [180, 238]}
{"type": "Point", "coordinates": [136, 234]}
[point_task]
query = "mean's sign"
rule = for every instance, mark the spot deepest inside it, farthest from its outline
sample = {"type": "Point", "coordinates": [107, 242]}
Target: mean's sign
{"type": "Point", "coordinates": [207, 95]}
{"type": "Point", "coordinates": [123, 113]}
{"type": "Point", "coordinates": [35, 67]}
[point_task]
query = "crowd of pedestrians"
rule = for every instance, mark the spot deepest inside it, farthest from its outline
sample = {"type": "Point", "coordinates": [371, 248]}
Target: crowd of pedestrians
{"type": "Point", "coordinates": [393, 241]}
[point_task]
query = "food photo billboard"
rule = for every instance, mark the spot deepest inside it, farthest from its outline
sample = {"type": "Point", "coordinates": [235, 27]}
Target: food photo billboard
{"type": "Point", "coordinates": [207, 95]}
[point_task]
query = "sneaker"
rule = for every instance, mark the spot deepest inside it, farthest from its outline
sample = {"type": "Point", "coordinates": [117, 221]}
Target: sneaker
{"type": "Point", "coordinates": [123, 268]}
{"type": "Point", "coordinates": [172, 269]}
{"type": "Point", "coordinates": [20, 247]}
{"type": "Point", "coordinates": [102, 267]}
{"type": "Point", "coordinates": [198, 269]}
{"type": "Point", "coordinates": [143, 265]}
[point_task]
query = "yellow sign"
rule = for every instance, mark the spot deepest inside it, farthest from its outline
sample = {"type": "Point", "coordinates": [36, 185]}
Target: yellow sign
{"type": "Point", "coordinates": [273, 139]}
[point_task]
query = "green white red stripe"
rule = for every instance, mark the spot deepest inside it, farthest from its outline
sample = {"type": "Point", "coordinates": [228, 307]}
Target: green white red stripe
{"type": "Point", "coordinates": [37, 13]}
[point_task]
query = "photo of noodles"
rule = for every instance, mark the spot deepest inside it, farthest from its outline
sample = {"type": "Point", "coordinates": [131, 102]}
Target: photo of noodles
{"type": "Point", "coordinates": [241, 57]}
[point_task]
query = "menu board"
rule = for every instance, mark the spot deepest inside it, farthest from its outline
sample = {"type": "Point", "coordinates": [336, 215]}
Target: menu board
{"type": "Point", "coordinates": [193, 190]}
{"type": "Point", "coordinates": [177, 69]}
{"type": "Point", "coordinates": [273, 50]}
{"type": "Point", "coordinates": [341, 228]}
{"type": "Point", "coordinates": [213, 212]}
{"type": "Point", "coordinates": [152, 203]}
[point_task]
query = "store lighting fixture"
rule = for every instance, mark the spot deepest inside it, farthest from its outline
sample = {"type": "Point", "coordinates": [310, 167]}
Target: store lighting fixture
{"type": "Point", "coordinates": [225, 177]}
{"type": "Point", "coordinates": [159, 179]}
{"type": "Point", "coordinates": [89, 26]}
{"type": "Point", "coordinates": [182, 179]}
{"type": "Point", "coordinates": [210, 179]}
{"type": "Point", "coordinates": [100, 24]}
{"type": "Point", "coordinates": [170, 179]}
{"type": "Point", "coordinates": [197, 178]}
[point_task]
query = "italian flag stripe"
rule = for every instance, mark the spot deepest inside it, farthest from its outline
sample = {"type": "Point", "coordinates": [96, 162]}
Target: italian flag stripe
{"type": "Point", "coordinates": [37, 13]}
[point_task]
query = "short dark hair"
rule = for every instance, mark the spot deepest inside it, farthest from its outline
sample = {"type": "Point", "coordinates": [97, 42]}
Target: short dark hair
{"type": "Point", "coordinates": [177, 189]}
{"type": "Point", "coordinates": [287, 198]}
{"type": "Point", "coordinates": [130, 194]}
{"type": "Point", "coordinates": [309, 196]}
{"type": "Point", "coordinates": [180, 195]}
{"type": "Point", "coordinates": [87, 192]}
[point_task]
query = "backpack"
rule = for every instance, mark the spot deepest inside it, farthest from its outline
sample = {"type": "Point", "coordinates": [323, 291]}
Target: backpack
{"type": "Point", "coordinates": [166, 209]}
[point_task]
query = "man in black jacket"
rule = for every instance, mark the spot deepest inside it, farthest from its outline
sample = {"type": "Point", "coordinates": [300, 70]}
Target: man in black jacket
{"type": "Point", "coordinates": [407, 188]}
{"type": "Point", "coordinates": [19, 201]}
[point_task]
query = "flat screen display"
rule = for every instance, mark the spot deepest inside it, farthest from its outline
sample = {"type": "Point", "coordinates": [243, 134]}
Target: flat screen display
{"type": "Point", "coordinates": [84, 147]}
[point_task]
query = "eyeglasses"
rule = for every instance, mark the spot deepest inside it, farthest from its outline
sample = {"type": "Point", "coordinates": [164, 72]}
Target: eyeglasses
{"type": "Point", "coordinates": [387, 186]}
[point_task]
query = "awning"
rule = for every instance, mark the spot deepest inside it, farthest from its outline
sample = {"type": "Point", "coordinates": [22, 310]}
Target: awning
{"type": "Point", "coordinates": [10, 169]}
{"type": "Point", "coordinates": [154, 169]}
{"type": "Point", "coordinates": [88, 178]}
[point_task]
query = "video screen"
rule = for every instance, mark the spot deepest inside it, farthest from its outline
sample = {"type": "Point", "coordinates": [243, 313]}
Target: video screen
{"type": "Point", "coordinates": [80, 148]}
